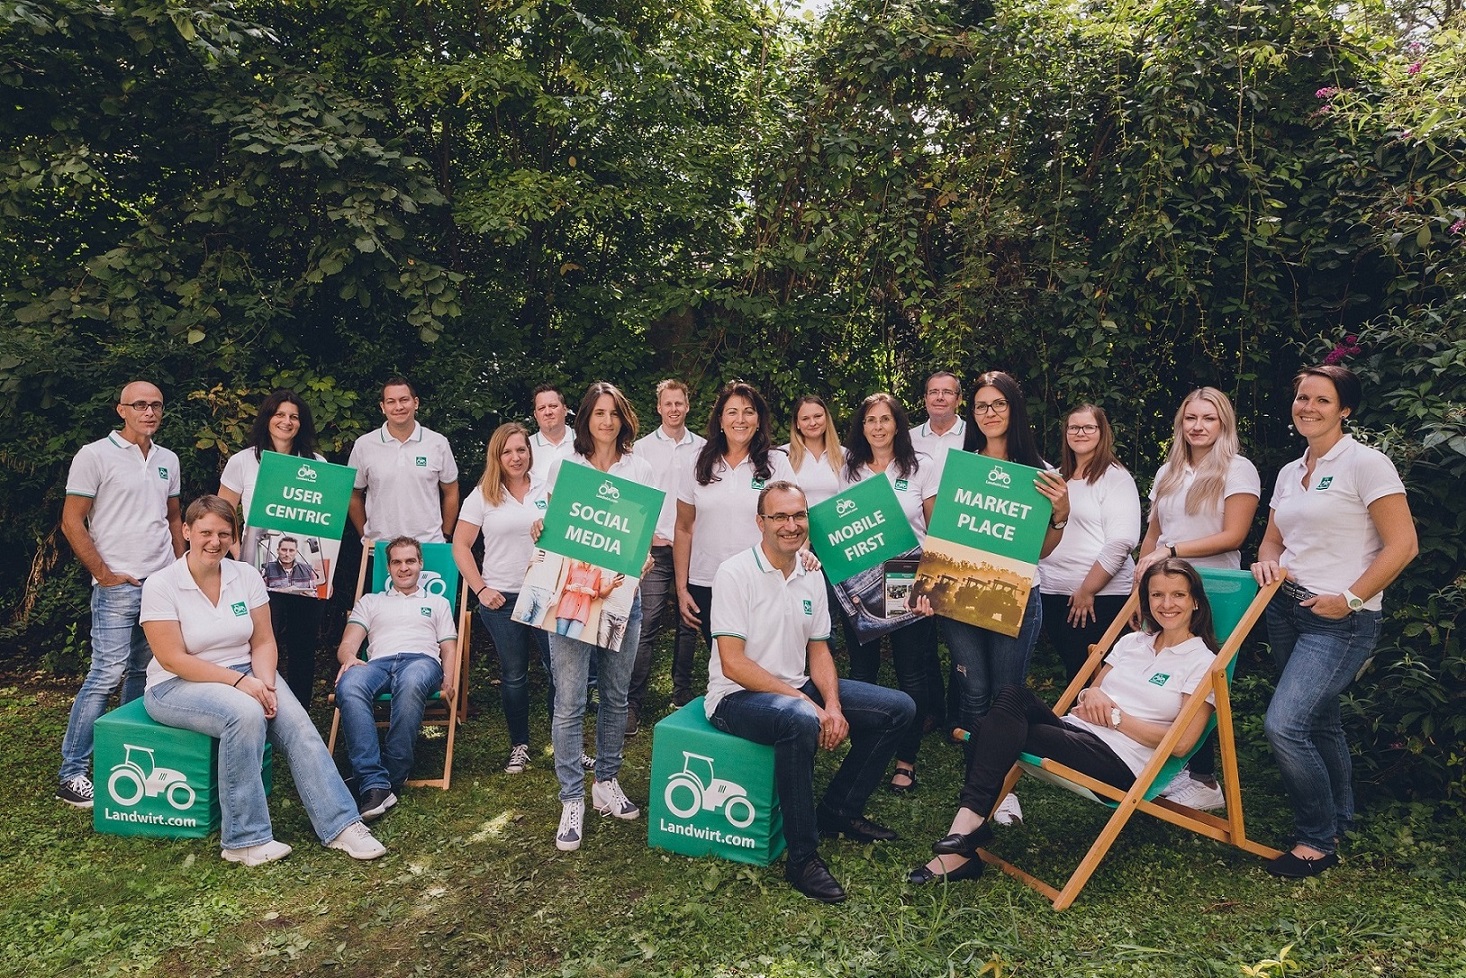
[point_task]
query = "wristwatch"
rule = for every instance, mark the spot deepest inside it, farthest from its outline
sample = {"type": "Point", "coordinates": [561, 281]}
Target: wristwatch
{"type": "Point", "coordinates": [1059, 525]}
{"type": "Point", "coordinates": [1115, 717]}
{"type": "Point", "coordinates": [1354, 601]}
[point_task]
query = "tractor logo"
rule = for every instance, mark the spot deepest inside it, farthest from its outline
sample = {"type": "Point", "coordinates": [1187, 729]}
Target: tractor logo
{"type": "Point", "coordinates": [694, 789]}
{"type": "Point", "coordinates": [139, 775]}
{"type": "Point", "coordinates": [997, 477]}
{"type": "Point", "coordinates": [305, 473]}
{"type": "Point", "coordinates": [608, 491]}
{"type": "Point", "coordinates": [844, 507]}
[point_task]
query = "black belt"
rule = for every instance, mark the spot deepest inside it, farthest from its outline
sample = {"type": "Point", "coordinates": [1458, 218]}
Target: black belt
{"type": "Point", "coordinates": [1297, 592]}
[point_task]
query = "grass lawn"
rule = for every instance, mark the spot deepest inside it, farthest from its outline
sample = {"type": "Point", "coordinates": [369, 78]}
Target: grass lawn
{"type": "Point", "coordinates": [473, 885]}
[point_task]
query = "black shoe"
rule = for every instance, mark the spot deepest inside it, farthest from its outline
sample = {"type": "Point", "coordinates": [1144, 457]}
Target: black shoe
{"type": "Point", "coordinates": [855, 828]}
{"type": "Point", "coordinates": [902, 789]}
{"type": "Point", "coordinates": [964, 843]}
{"type": "Point", "coordinates": [970, 870]}
{"type": "Point", "coordinates": [633, 723]}
{"type": "Point", "coordinates": [374, 803]}
{"type": "Point", "coordinates": [812, 878]}
{"type": "Point", "coordinates": [681, 697]}
{"type": "Point", "coordinates": [1292, 867]}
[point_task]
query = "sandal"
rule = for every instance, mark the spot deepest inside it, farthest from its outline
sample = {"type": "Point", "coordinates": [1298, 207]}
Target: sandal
{"type": "Point", "coordinates": [909, 774]}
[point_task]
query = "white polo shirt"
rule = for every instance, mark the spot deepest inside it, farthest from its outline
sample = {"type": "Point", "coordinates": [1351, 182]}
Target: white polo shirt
{"type": "Point", "coordinates": [776, 616]}
{"type": "Point", "coordinates": [402, 480]}
{"type": "Point", "coordinates": [1104, 526]}
{"type": "Point", "coordinates": [815, 477]}
{"type": "Point", "coordinates": [726, 510]}
{"type": "Point", "coordinates": [912, 490]}
{"type": "Point", "coordinates": [1328, 536]}
{"type": "Point", "coordinates": [129, 491]}
{"type": "Point", "coordinates": [1148, 685]}
{"type": "Point", "coordinates": [507, 544]}
{"type": "Point", "coordinates": [665, 456]}
{"type": "Point", "coordinates": [241, 473]}
{"type": "Point", "coordinates": [629, 466]}
{"type": "Point", "coordinates": [396, 622]}
{"type": "Point", "coordinates": [545, 454]}
{"type": "Point", "coordinates": [1178, 525]}
{"type": "Point", "coordinates": [923, 439]}
{"type": "Point", "coordinates": [217, 633]}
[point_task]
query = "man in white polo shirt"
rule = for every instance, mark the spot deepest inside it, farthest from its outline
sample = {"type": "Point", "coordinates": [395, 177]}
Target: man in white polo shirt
{"type": "Point", "coordinates": [772, 680]}
{"type": "Point", "coordinates": [555, 439]}
{"type": "Point", "coordinates": [406, 478]}
{"type": "Point", "coordinates": [669, 449]}
{"type": "Point", "coordinates": [412, 650]}
{"type": "Point", "coordinates": [121, 518]}
{"type": "Point", "coordinates": [943, 429]}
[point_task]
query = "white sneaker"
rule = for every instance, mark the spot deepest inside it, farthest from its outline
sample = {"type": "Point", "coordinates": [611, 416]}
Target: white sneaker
{"type": "Point", "coordinates": [265, 852]}
{"type": "Point", "coordinates": [357, 841]}
{"type": "Point", "coordinates": [1186, 790]}
{"type": "Point", "coordinates": [518, 759]}
{"type": "Point", "coordinates": [1008, 812]}
{"type": "Point", "coordinates": [609, 799]}
{"type": "Point", "coordinates": [572, 819]}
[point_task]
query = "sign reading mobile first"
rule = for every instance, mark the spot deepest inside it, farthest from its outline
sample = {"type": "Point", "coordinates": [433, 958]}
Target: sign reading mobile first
{"type": "Point", "coordinates": [858, 529]}
{"type": "Point", "coordinates": [601, 519]}
{"type": "Point", "coordinates": [301, 495]}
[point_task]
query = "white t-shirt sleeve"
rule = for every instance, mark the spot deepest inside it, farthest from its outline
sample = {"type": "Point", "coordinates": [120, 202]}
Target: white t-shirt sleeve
{"type": "Point", "coordinates": [356, 461]}
{"type": "Point", "coordinates": [552, 474]}
{"type": "Point", "coordinates": [443, 622]}
{"type": "Point", "coordinates": [1376, 477]}
{"type": "Point", "coordinates": [729, 615]}
{"type": "Point", "coordinates": [1242, 479]}
{"type": "Point", "coordinates": [449, 472]}
{"type": "Point", "coordinates": [1120, 518]}
{"type": "Point", "coordinates": [472, 510]}
{"type": "Point", "coordinates": [232, 478]}
{"type": "Point", "coordinates": [85, 475]}
{"type": "Point", "coordinates": [159, 600]}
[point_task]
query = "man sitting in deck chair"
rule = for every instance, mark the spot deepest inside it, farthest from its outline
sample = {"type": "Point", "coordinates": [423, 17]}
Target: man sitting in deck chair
{"type": "Point", "coordinates": [1115, 726]}
{"type": "Point", "coordinates": [412, 650]}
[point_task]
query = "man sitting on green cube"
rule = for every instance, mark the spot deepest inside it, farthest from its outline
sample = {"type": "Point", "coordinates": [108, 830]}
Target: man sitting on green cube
{"type": "Point", "coordinates": [772, 680]}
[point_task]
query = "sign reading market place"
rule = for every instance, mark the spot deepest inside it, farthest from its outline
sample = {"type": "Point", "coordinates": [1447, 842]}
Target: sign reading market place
{"type": "Point", "coordinates": [597, 534]}
{"type": "Point", "coordinates": [295, 521]}
{"type": "Point", "coordinates": [983, 543]}
{"type": "Point", "coordinates": [858, 529]}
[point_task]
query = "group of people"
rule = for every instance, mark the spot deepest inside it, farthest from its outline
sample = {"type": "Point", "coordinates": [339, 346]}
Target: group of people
{"type": "Point", "coordinates": [730, 559]}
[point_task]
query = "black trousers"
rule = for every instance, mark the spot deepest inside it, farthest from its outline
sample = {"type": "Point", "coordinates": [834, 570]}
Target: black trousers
{"type": "Point", "coordinates": [296, 621]}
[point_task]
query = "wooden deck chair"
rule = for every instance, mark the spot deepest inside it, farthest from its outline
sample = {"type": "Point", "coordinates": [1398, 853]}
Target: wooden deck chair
{"type": "Point", "coordinates": [439, 576]}
{"type": "Point", "coordinates": [1236, 603]}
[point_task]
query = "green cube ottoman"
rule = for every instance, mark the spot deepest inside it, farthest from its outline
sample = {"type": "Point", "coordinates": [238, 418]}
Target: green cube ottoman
{"type": "Point", "coordinates": [712, 794]}
{"type": "Point", "coordinates": [155, 780]}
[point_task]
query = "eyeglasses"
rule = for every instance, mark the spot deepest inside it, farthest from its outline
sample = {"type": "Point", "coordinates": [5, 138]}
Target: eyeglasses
{"type": "Point", "coordinates": [1083, 429]}
{"type": "Point", "coordinates": [781, 518]}
{"type": "Point", "coordinates": [996, 407]}
{"type": "Point", "coordinates": [143, 406]}
{"type": "Point", "coordinates": [942, 392]}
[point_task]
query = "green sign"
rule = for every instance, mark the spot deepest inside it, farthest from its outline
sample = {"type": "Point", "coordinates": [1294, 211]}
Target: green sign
{"type": "Point", "coordinates": [601, 519]}
{"type": "Point", "coordinates": [295, 521]}
{"type": "Point", "coordinates": [986, 532]}
{"type": "Point", "coordinates": [859, 529]}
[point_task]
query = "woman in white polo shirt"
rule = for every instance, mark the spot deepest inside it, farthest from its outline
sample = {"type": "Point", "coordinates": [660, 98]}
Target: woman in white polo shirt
{"type": "Point", "coordinates": [605, 431]}
{"type": "Point", "coordinates": [717, 497]}
{"type": "Point", "coordinates": [1341, 529]}
{"type": "Point", "coordinates": [814, 449]}
{"type": "Point", "coordinates": [283, 424]}
{"type": "Point", "coordinates": [505, 505]}
{"type": "Point", "coordinates": [879, 445]}
{"type": "Point", "coordinates": [207, 619]}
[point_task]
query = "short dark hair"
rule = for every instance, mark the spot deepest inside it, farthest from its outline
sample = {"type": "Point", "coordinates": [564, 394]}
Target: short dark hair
{"type": "Point", "coordinates": [1345, 381]}
{"type": "Point", "coordinates": [534, 395]}
{"type": "Point", "coordinates": [287, 540]}
{"type": "Point", "coordinates": [398, 381]}
{"type": "Point", "coordinates": [778, 485]}
{"type": "Point", "coordinates": [404, 541]}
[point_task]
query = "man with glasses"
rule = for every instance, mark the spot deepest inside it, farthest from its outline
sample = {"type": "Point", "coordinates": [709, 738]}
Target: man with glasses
{"type": "Point", "coordinates": [122, 519]}
{"type": "Point", "coordinates": [771, 680]}
{"type": "Point", "coordinates": [943, 429]}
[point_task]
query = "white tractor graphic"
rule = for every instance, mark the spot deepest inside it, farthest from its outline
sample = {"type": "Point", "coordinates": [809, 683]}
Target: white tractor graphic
{"type": "Point", "coordinates": [135, 777]}
{"type": "Point", "coordinates": [694, 788]}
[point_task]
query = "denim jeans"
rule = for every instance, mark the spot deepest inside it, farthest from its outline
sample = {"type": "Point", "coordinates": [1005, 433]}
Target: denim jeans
{"type": "Point", "coordinates": [515, 642]}
{"type": "Point", "coordinates": [984, 661]}
{"type": "Point", "coordinates": [238, 720]}
{"type": "Point", "coordinates": [918, 674]}
{"type": "Point", "coordinates": [120, 654]}
{"type": "Point", "coordinates": [569, 627]}
{"type": "Point", "coordinates": [1319, 657]}
{"type": "Point", "coordinates": [878, 718]}
{"type": "Point", "coordinates": [571, 659]}
{"type": "Point", "coordinates": [658, 604]}
{"type": "Point", "coordinates": [411, 677]}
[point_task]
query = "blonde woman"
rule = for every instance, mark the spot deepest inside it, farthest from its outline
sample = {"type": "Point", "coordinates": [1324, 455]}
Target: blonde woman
{"type": "Point", "coordinates": [814, 449]}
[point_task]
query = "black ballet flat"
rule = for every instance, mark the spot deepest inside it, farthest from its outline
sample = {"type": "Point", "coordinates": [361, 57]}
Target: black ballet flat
{"type": "Point", "coordinates": [970, 870]}
{"type": "Point", "coordinates": [964, 843]}
{"type": "Point", "coordinates": [902, 789]}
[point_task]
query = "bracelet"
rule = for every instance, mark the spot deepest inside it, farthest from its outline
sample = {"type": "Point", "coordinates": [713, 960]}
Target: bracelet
{"type": "Point", "coordinates": [239, 680]}
{"type": "Point", "coordinates": [1173, 551]}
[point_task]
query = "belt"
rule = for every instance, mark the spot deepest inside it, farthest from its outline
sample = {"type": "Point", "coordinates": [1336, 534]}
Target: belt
{"type": "Point", "coordinates": [1296, 591]}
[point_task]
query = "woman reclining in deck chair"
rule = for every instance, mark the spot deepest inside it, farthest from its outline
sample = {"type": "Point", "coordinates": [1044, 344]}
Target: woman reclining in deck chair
{"type": "Point", "coordinates": [1114, 727]}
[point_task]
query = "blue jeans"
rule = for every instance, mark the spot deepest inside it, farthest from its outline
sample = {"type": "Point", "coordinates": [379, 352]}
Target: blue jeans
{"type": "Point", "coordinates": [238, 720]}
{"type": "Point", "coordinates": [569, 627]}
{"type": "Point", "coordinates": [411, 677]}
{"type": "Point", "coordinates": [120, 654]}
{"type": "Point", "coordinates": [571, 660]}
{"type": "Point", "coordinates": [1319, 658]}
{"type": "Point", "coordinates": [878, 719]}
{"type": "Point", "coordinates": [985, 661]}
{"type": "Point", "coordinates": [515, 642]}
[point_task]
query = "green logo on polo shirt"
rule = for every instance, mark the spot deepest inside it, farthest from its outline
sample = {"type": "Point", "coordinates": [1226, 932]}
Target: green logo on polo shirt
{"type": "Point", "coordinates": [540, 504]}
{"type": "Point", "coordinates": [1325, 482]}
{"type": "Point", "coordinates": [901, 485]}
{"type": "Point", "coordinates": [808, 607]}
{"type": "Point", "coordinates": [425, 612]}
{"type": "Point", "coordinates": [239, 609]}
{"type": "Point", "coordinates": [422, 461]}
{"type": "Point", "coordinates": [757, 484]}
{"type": "Point", "coordinates": [1160, 679]}
{"type": "Point", "coordinates": [163, 472]}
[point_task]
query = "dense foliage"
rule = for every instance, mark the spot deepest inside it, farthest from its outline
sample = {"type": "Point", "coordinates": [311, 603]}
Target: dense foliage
{"type": "Point", "coordinates": [1114, 202]}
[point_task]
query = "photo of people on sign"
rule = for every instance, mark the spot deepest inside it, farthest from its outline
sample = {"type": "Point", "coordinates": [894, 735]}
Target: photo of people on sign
{"type": "Point", "coordinates": [982, 546]}
{"type": "Point", "coordinates": [293, 528]}
{"type": "Point", "coordinates": [866, 546]}
{"type": "Point", "coordinates": [596, 538]}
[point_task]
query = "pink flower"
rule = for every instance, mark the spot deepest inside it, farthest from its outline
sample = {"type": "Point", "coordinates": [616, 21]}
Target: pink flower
{"type": "Point", "coordinates": [1342, 351]}
{"type": "Point", "coordinates": [1326, 92]}
{"type": "Point", "coordinates": [1414, 69]}
{"type": "Point", "coordinates": [1459, 226]}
